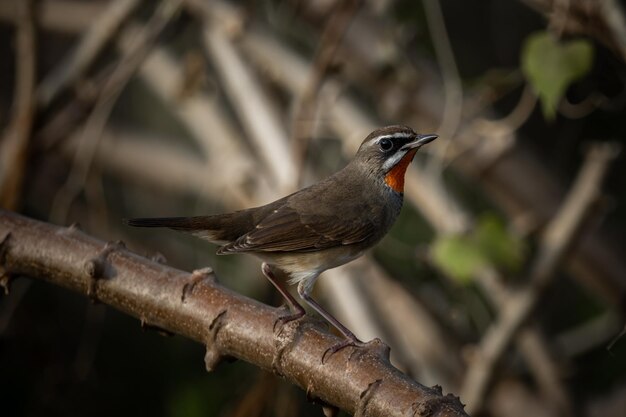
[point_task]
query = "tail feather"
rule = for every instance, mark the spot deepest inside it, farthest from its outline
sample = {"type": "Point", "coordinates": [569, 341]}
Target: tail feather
{"type": "Point", "coordinates": [180, 223]}
{"type": "Point", "coordinates": [216, 229]}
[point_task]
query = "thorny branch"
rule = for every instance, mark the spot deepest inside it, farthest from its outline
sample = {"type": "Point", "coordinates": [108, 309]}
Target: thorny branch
{"type": "Point", "coordinates": [230, 325]}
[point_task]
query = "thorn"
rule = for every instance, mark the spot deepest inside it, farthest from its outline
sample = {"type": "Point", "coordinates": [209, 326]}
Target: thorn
{"type": "Point", "coordinates": [287, 336]}
{"type": "Point", "coordinates": [330, 410]}
{"type": "Point", "coordinates": [5, 277]}
{"type": "Point", "coordinates": [4, 247]}
{"type": "Point", "coordinates": [213, 357]}
{"type": "Point", "coordinates": [159, 258]}
{"type": "Point", "coordinates": [96, 268]}
{"type": "Point", "coordinates": [197, 277]}
{"type": "Point", "coordinates": [375, 347]}
{"type": "Point", "coordinates": [151, 327]}
{"type": "Point", "coordinates": [216, 323]}
{"type": "Point", "coordinates": [310, 397]}
{"type": "Point", "coordinates": [74, 227]}
{"type": "Point", "coordinates": [365, 397]}
{"type": "Point", "coordinates": [70, 230]}
{"type": "Point", "coordinates": [5, 281]}
{"type": "Point", "coordinates": [422, 408]}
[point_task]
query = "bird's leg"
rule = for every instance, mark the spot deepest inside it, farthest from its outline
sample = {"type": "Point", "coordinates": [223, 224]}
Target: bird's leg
{"type": "Point", "coordinates": [304, 289]}
{"type": "Point", "coordinates": [295, 306]}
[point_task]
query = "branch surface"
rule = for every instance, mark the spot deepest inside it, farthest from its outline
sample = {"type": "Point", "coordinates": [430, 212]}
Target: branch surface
{"type": "Point", "coordinates": [228, 324]}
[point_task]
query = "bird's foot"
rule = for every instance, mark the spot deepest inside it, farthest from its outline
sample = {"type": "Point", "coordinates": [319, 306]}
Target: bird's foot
{"type": "Point", "coordinates": [283, 320]}
{"type": "Point", "coordinates": [374, 347]}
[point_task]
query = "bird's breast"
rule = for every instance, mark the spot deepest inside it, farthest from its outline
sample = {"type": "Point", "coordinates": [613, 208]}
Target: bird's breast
{"type": "Point", "coordinates": [297, 264]}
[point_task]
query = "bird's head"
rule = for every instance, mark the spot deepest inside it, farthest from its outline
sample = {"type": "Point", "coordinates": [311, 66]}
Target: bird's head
{"type": "Point", "coordinates": [387, 152]}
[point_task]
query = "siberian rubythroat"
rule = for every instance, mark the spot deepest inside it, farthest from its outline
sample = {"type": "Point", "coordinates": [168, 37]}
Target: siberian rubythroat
{"type": "Point", "coordinates": [319, 227]}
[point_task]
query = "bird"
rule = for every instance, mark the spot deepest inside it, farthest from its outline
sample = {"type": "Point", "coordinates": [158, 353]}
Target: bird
{"type": "Point", "coordinates": [319, 227]}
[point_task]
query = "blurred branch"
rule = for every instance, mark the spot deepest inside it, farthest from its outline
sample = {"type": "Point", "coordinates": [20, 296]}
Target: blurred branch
{"type": "Point", "coordinates": [518, 116]}
{"type": "Point", "coordinates": [134, 156]}
{"type": "Point", "coordinates": [421, 336]}
{"type": "Point", "coordinates": [544, 366]}
{"type": "Point", "coordinates": [530, 343]}
{"type": "Point", "coordinates": [452, 86]}
{"type": "Point", "coordinates": [230, 325]}
{"type": "Point", "coordinates": [111, 90]}
{"type": "Point", "coordinates": [601, 19]}
{"type": "Point", "coordinates": [100, 32]}
{"type": "Point", "coordinates": [559, 236]}
{"type": "Point", "coordinates": [65, 16]}
{"type": "Point", "coordinates": [226, 159]}
{"type": "Point", "coordinates": [588, 335]}
{"type": "Point", "coordinates": [14, 143]}
{"type": "Point", "coordinates": [306, 103]}
{"type": "Point", "coordinates": [252, 105]}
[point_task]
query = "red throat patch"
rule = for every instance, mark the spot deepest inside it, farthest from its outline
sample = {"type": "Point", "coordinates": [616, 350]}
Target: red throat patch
{"type": "Point", "coordinates": [395, 176]}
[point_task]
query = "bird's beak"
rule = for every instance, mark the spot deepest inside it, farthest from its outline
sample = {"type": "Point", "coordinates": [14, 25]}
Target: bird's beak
{"type": "Point", "coordinates": [419, 141]}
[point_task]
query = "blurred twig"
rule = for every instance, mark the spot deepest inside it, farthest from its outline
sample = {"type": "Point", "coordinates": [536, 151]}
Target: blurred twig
{"type": "Point", "coordinates": [453, 89]}
{"type": "Point", "coordinates": [588, 335]}
{"type": "Point", "coordinates": [15, 139]}
{"type": "Point", "coordinates": [304, 116]}
{"type": "Point", "coordinates": [113, 87]}
{"type": "Point", "coordinates": [252, 105]}
{"type": "Point", "coordinates": [229, 324]}
{"type": "Point", "coordinates": [65, 16]}
{"type": "Point", "coordinates": [227, 162]}
{"type": "Point", "coordinates": [520, 113]}
{"type": "Point", "coordinates": [91, 44]}
{"type": "Point", "coordinates": [559, 236]}
{"type": "Point", "coordinates": [134, 157]}
{"type": "Point", "coordinates": [603, 19]}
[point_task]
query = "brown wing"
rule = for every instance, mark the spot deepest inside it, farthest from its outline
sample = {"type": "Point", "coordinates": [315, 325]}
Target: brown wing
{"type": "Point", "coordinates": [285, 229]}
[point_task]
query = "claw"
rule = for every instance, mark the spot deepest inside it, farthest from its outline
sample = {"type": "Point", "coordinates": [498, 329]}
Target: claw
{"type": "Point", "coordinates": [286, 319]}
{"type": "Point", "coordinates": [340, 346]}
{"type": "Point", "coordinates": [375, 347]}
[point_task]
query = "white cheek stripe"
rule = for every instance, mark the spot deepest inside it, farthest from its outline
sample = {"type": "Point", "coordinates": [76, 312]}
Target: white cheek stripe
{"type": "Point", "coordinates": [391, 162]}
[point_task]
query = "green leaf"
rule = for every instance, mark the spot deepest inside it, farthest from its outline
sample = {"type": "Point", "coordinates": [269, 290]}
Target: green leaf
{"type": "Point", "coordinates": [461, 256]}
{"type": "Point", "coordinates": [497, 245]}
{"type": "Point", "coordinates": [551, 66]}
{"type": "Point", "coordinates": [457, 256]}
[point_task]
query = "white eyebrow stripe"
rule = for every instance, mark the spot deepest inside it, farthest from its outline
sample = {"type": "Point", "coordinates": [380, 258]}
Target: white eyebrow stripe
{"type": "Point", "coordinates": [394, 135]}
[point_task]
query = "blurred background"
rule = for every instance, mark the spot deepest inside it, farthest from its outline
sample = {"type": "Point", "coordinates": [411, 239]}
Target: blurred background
{"type": "Point", "coordinates": [503, 281]}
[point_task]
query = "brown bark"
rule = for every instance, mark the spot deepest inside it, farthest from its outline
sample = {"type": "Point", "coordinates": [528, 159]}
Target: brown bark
{"type": "Point", "coordinates": [230, 325]}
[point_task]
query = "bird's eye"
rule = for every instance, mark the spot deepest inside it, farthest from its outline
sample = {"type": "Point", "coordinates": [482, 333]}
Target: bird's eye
{"type": "Point", "coordinates": [385, 144]}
